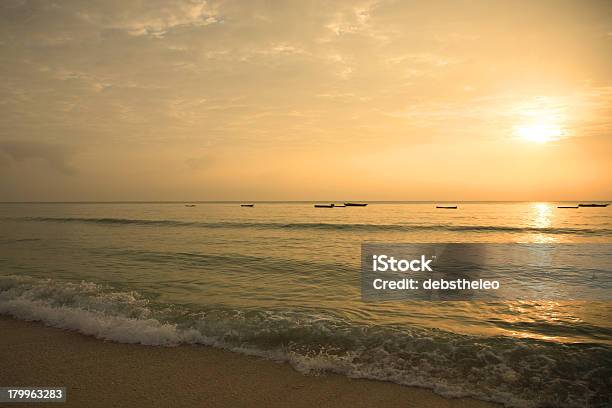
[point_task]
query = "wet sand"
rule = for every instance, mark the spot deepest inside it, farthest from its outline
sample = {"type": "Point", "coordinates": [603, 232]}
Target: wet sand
{"type": "Point", "coordinates": [106, 374]}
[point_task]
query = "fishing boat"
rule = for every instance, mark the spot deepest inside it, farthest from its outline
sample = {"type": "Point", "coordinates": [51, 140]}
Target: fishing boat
{"type": "Point", "coordinates": [324, 205]}
{"type": "Point", "coordinates": [355, 204]}
{"type": "Point", "coordinates": [447, 207]}
{"type": "Point", "coordinates": [593, 205]}
{"type": "Point", "coordinates": [247, 205]}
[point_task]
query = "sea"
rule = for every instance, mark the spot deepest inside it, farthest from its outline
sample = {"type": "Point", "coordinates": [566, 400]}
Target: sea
{"type": "Point", "coordinates": [281, 280]}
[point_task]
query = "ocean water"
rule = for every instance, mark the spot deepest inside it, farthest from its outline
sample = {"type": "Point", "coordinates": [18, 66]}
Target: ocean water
{"type": "Point", "coordinates": [282, 281]}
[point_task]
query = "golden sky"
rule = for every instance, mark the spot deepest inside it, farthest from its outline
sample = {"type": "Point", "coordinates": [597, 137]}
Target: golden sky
{"type": "Point", "coordinates": [301, 100]}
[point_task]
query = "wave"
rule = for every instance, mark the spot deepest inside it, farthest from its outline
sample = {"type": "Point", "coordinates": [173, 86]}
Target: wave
{"type": "Point", "coordinates": [326, 226]}
{"type": "Point", "coordinates": [517, 372]}
{"type": "Point", "coordinates": [16, 241]}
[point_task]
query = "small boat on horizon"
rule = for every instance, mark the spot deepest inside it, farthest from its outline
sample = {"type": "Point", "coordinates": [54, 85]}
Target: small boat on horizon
{"type": "Point", "coordinates": [247, 205]}
{"type": "Point", "coordinates": [190, 205]}
{"type": "Point", "coordinates": [567, 206]}
{"type": "Point", "coordinates": [355, 204]}
{"type": "Point", "coordinates": [447, 207]}
{"type": "Point", "coordinates": [324, 205]}
{"type": "Point", "coordinates": [593, 205]}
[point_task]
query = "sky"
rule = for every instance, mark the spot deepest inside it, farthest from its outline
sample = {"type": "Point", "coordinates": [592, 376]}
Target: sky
{"type": "Point", "coordinates": [305, 100]}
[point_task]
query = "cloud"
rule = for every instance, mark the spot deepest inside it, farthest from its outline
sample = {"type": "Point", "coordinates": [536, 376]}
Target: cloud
{"type": "Point", "coordinates": [56, 156]}
{"type": "Point", "coordinates": [153, 18]}
{"type": "Point", "coordinates": [200, 162]}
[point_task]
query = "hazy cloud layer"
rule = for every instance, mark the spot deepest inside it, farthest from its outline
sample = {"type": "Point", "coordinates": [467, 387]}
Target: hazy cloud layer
{"type": "Point", "coordinates": [296, 100]}
{"type": "Point", "coordinates": [56, 156]}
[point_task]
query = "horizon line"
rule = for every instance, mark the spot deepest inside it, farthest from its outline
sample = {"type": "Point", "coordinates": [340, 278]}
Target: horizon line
{"type": "Point", "coordinates": [287, 201]}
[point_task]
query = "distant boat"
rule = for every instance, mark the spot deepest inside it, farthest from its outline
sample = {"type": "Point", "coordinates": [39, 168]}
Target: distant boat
{"type": "Point", "coordinates": [593, 205]}
{"type": "Point", "coordinates": [567, 206]}
{"type": "Point", "coordinates": [324, 205]}
{"type": "Point", "coordinates": [447, 207]}
{"type": "Point", "coordinates": [355, 204]}
{"type": "Point", "coordinates": [190, 205]}
{"type": "Point", "coordinates": [247, 205]}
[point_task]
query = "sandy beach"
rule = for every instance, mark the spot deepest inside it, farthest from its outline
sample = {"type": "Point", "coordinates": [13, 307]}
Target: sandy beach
{"type": "Point", "coordinates": [107, 374]}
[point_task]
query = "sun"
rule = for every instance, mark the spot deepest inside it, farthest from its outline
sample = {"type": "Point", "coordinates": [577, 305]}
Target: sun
{"type": "Point", "coordinates": [539, 132]}
{"type": "Point", "coordinates": [541, 120]}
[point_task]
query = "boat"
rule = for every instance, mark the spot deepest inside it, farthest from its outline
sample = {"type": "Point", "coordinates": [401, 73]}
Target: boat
{"type": "Point", "coordinates": [447, 207]}
{"type": "Point", "coordinates": [355, 204]}
{"type": "Point", "coordinates": [190, 205]}
{"type": "Point", "coordinates": [593, 205]}
{"type": "Point", "coordinates": [324, 205]}
{"type": "Point", "coordinates": [567, 206]}
{"type": "Point", "coordinates": [247, 205]}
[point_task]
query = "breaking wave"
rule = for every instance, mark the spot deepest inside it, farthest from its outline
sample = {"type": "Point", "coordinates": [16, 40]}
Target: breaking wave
{"type": "Point", "coordinates": [326, 226]}
{"type": "Point", "coordinates": [515, 372]}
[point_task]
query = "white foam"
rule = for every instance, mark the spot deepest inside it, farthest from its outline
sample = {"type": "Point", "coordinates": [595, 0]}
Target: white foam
{"type": "Point", "coordinates": [431, 361]}
{"type": "Point", "coordinates": [90, 315]}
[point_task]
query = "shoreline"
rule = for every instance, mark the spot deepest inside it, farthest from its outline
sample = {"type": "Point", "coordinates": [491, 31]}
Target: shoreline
{"type": "Point", "coordinates": [100, 373]}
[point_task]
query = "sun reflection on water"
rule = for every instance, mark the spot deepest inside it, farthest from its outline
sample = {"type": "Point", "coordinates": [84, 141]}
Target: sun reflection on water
{"type": "Point", "coordinates": [542, 217]}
